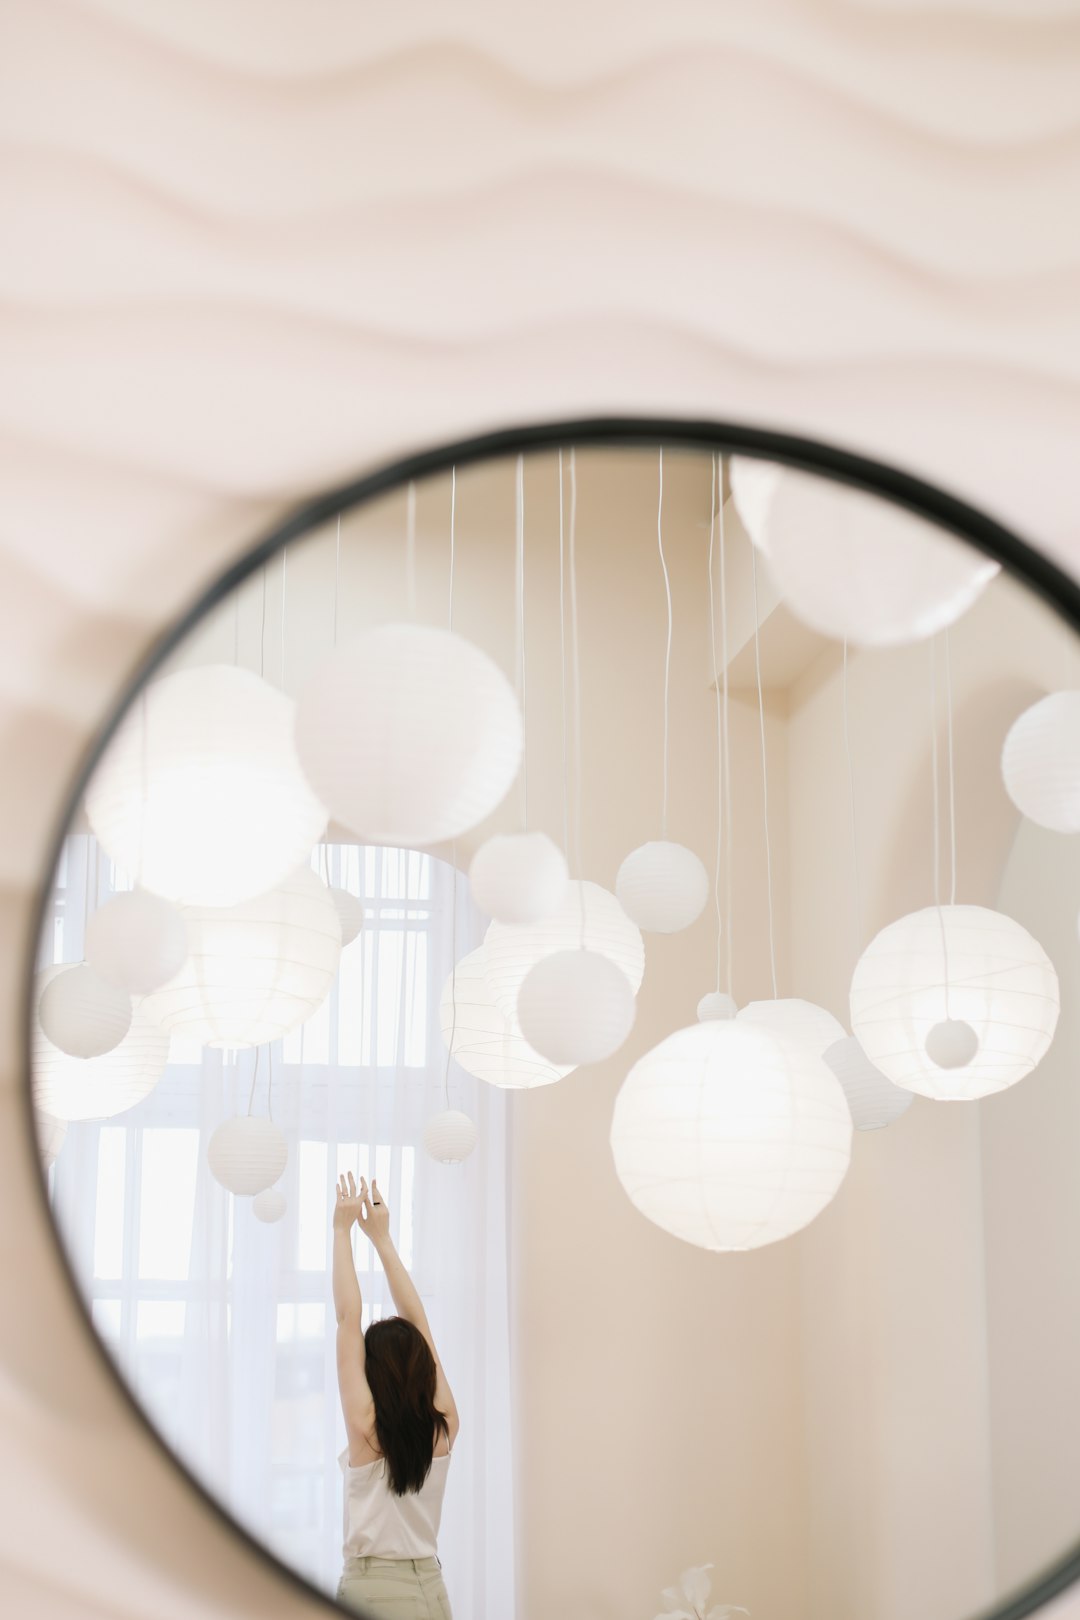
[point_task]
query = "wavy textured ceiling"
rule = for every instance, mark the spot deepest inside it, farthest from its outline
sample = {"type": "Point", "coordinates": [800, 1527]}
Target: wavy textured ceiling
{"type": "Point", "coordinates": [252, 247]}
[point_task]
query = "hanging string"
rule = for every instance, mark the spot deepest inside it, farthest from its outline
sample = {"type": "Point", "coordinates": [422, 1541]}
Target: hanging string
{"type": "Point", "coordinates": [262, 632]}
{"type": "Point", "coordinates": [667, 655]}
{"type": "Point", "coordinates": [575, 656]}
{"type": "Point", "coordinates": [337, 574]}
{"type": "Point", "coordinates": [453, 511]}
{"type": "Point", "coordinates": [284, 567]}
{"type": "Point", "coordinates": [519, 567]}
{"type": "Point", "coordinates": [326, 862]}
{"type": "Point", "coordinates": [935, 790]}
{"type": "Point", "coordinates": [562, 666]}
{"type": "Point", "coordinates": [270, 1082]}
{"type": "Point", "coordinates": [410, 549]}
{"type": "Point", "coordinates": [728, 823]}
{"type": "Point", "coordinates": [952, 771]}
{"type": "Point", "coordinates": [86, 887]}
{"type": "Point", "coordinates": [719, 732]}
{"type": "Point", "coordinates": [764, 772]}
{"type": "Point", "coordinates": [144, 780]}
{"type": "Point", "coordinates": [851, 796]}
{"type": "Point", "coordinates": [453, 969]}
{"type": "Point", "coordinates": [254, 1077]}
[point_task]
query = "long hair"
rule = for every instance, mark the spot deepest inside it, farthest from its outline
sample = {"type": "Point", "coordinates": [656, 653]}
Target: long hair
{"type": "Point", "coordinates": [401, 1375]}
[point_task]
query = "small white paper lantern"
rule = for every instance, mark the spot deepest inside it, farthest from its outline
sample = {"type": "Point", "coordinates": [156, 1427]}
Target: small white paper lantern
{"type": "Point", "coordinates": [1040, 762]}
{"type": "Point", "coordinates": [97, 1088]}
{"type": "Point", "coordinates": [83, 1014]}
{"type": "Point", "coordinates": [662, 887]}
{"type": "Point", "coordinates": [512, 951]}
{"type": "Point", "coordinates": [576, 1007]}
{"type": "Point", "coordinates": [350, 915]}
{"type": "Point", "coordinates": [1000, 981]}
{"type": "Point", "coordinates": [269, 1205]}
{"type": "Point", "coordinates": [50, 1137]}
{"type": "Point", "coordinates": [753, 485]}
{"type": "Point", "coordinates": [247, 1154]}
{"type": "Point", "coordinates": [716, 1004]}
{"type": "Point", "coordinates": [856, 566]}
{"type": "Point", "coordinates": [486, 1043]}
{"type": "Point", "coordinates": [951, 1044]}
{"type": "Point", "coordinates": [256, 970]}
{"type": "Point", "coordinates": [137, 941]}
{"type": "Point", "coordinates": [730, 1136]}
{"type": "Point", "coordinates": [797, 1019]}
{"type": "Point", "coordinates": [518, 877]}
{"type": "Point", "coordinates": [449, 1136]}
{"type": "Point", "coordinates": [206, 805]}
{"type": "Point", "coordinates": [410, 734]}
{"type": "Point", "coordinates": [873, 1099]}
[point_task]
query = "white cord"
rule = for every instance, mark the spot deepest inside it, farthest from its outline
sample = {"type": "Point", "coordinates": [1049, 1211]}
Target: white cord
{"type": "Point", "coordinates": [575, 653]}
{"type": "Point", "coordinates": [453, 513]}
{"type": "Point", "coordinates": [284, 572]}
{"type": "Point", "coordinates": [519, 565]}
{"type": "Point", "coordinates": [667, 655]}
{"type": "Point", "coordinates": [764, 773]}
{"type": "Point", "coordinates": [952, 772]}
{"type": "Point", "coordinates": [562, 661]}
{"type": "Point", "coordinates": [410, 550]}
{"type": "Point", "coordinates": [937, 820]}
{"type": "Point", "coordinates": [728, 823]}
{"type": "Point", "coordinates": [719, 728]}
{"type": "Point", "coordinates": [337, 575]}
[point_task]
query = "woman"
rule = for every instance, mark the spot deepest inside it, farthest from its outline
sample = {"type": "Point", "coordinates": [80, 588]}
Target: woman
{"type": "Point", "coordinates": [401, 1423]}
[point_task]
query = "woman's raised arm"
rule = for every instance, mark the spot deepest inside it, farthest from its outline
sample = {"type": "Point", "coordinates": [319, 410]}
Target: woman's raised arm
{"type": "Point", "coordinates": [356, 1402]}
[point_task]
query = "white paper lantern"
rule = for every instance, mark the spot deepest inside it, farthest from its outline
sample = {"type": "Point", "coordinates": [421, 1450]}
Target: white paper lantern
{"type": "Point", "coordinates": [518, 877]}
{"type": "Point", "coordinates": [256, 970]}
{"type": "Point", "coordinates": [716, 1004]}
{"type": "Point", "coordinates": [137, 941]}
{"type": "Point", "coordinates": [83, 1014]}
{"type": "Point", "coordinates": [449, 1136]}
{"type": "Point", "coordinates": [227, 812]}
{"type": "Point", "coordinates": [853, 565]}
{"type": "Point", "coordinates": [50, 1137]}
{"type": "Point", "coordinates": [753, 485]}
{"type": "Point", "coordinates": [247, 1154]}
{"type": "Point", "coordinates": [350, 915]}
{"type": "Point", "coordinates": [97, 1088]}
{"type": "Point", "coordinates": [410, 734]}
{"type": "Point", "coordinates": [512, 951]}
{"type": "Point", "coordinates": [797, 1019]}
{"type": "Point", "coordinates": [730, 1136]}
{"type": "Point", "coordinates": [1000, 981]}
{"type": "Point", "coordinates": [873, 1099]}
{"type": "Point", "coordinates": [486, 1043]}
{"type": "Point", "coordinates": [576, 1007]}
{"type": "Point", "coordinates": [1040, 762]}
{"type": "Point", "coordinates": [269, 1205]}
{"type": "Point", "coordinates": [662, 887]}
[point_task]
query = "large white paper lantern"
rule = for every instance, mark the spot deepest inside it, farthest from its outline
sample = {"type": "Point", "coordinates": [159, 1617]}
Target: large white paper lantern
{"type": "Point", "coordinates": [82, 1013]}
{"type": "Point", "coordinates": [137, 941]}
{"type": "Point", "coordinates": [350, 915]}
{"type": "Point", "coordinates": [486, 1042]}
{"type": "Point", "coordinates": [449, 1136]}
{"type": "Point", "coordinates": [797, 1019]}
{"type": "Point", "coordinates": [753, 485]}
{"type": "Point", "coordinates": [854, 566]}
{"type": "Point", "coordinates": [1000, 981]}
{"type": "Point", "coordinates": [97, 1088]}
{"type": "Point", "coordinates": [1040, 762]}
{"type": "Point", "coordinates": [576, 1007]}
{"type": "Point", "coordinates": [518, 877]}
{"type": "Point", "coordinates": [662, 887]}
{"type": "Point", "coordinates": [206, 804]}
{"type": "Point", "coordinates": [873, 1099]}
{"type": "Point", "coordinates": [512, 951]}
{"type": "Point", "coordinates": [256, 970]}
{"type": "Point", "coordinates": [730, 1136]}
{"type": "Point", "coordinates": [410, 734]}
{"type": "Point", "coordinates": [50, 1137]}
{"type": "Point", "coordinates": [247, 1154]}
{"type": "Point", "coordinates": [716, 1004]}
{"type": "Point", "coordinates": [268, 1205]}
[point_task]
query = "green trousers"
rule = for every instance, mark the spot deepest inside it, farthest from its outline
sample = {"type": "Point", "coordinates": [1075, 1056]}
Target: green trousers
{"type": "Point", "coordinates": [399, 1588]}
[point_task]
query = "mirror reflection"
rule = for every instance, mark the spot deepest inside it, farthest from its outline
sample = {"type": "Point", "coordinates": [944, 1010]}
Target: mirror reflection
{"type": "Point", "coordinates": [553, 1051]}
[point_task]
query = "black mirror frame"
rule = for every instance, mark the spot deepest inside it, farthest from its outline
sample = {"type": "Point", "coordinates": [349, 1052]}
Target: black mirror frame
{"type": "Point", "coordinates": [1016, 556]}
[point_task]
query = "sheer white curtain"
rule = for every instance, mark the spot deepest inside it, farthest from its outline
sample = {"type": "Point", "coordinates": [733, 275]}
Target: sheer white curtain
{"type": "Point", "coordinates": [223, 1325]}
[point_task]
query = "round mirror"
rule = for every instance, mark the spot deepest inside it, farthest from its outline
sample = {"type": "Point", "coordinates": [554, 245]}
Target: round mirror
{"type": "Point", "coordinates": [552, 1040]}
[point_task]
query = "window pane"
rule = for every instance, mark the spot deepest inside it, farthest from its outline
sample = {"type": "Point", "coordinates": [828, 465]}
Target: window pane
{"type": "Point", "coordinates": [160, 1319]}
{"type": "Point", "coordinates": [314, 1207]}
{"type": "Point", "coordinates": [354, 978]}
{"type": "Point", "coordinates": [109, 1207]}
{"type": "Point", "coordinates": [405, 1206]}
{"type": "Point", "coordinates": [416, 1007]}
{"type": "Point", "coordinates": [170, 1161]}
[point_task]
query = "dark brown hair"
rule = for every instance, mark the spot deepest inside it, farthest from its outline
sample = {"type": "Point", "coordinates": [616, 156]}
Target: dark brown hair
{"type": "Point", "coordinates": [401, 1375]}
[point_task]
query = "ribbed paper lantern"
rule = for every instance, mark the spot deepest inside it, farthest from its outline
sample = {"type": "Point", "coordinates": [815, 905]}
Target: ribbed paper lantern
{"type": "Point", "coordinates": [729, 1136]}
{"type": "Point", "coordinates": [350, 915]}
{"type": "Point", "coordinates": [511, 951]}
{"type": "Point", "coordinates": [486, 1043]}
{"type": "Point", "coordinates": [1041, 762]}
{"type": "Point", "coordinates": [269, 1205]}
{"type": "Point", "coordinates": [716, 1004]}
{"type": "Point", "coordinates": [1000, 981]}
{"type": "Point", "coordinates": [227, 813]}
{"type": "Point", "coordinates": [83, 1014]}
{"type": "Point", "coordinates": [873, 1099]}
{"type": "Point", "coordinates": [97, 1088]}
{"type": "Point", "coordinates": [137, 941]}
{"type": "Point", "coordinates": [798, 1020]}
{"type": "Point", "coordinates": [576, 1007]}
{"type": "Point", "coordinates": [853, 565]}
{"type": "Point", "coordinates": [449, 1136]}
{"type": "Point", "coordinates": [518, 877]}
{"type": "Point", "coordinates": [247, 1154]}
{"type": "Point", "coordinates": [410, 734]}
{"type": "Point", "coordinates": [753, 485]}
{"type": "Point", "coordinates": [256, 970]}
{"type": "Point", "coordinates": [50, 1137]}
{"type": "Point", "coordinates": [662, 887]}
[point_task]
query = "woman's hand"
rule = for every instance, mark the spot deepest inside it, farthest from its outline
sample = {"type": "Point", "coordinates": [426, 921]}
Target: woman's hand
{"type": "Point", "coordinates": [348, 1205]}
{"type": "Point", "coordinates": [374, 1216]}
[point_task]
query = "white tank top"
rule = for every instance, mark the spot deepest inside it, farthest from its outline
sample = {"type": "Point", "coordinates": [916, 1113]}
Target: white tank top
{"type": "Point", "coordinates": [381, 1524]}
